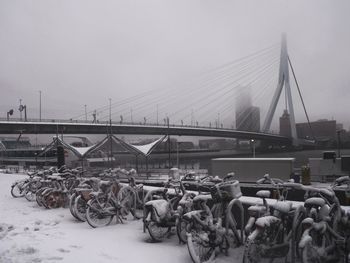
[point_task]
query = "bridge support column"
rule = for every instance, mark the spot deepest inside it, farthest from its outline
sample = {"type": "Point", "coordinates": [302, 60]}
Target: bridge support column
{"type": "Point", "coordinates": [283, 81]}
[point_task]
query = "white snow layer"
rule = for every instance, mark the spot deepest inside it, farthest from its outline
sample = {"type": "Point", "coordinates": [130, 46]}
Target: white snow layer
{"type": "Point", "coordinates": [29, 233]}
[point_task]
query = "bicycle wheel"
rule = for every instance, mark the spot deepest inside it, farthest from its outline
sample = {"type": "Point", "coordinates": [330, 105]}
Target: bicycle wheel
{"type": "Point", "coordinates": [234, 222]}
{"type": "Point", "coordinates": [309, 254]}
{"type": "Point", "coordinates": [16, 190]}
{"type": "Point", "coordinates": [198, 247]}
{"type": "Point", "coordinates": [181, 230]}
{"type": "Point", "coordinates": [71, 205]}
{"type": "Point", "coordinates": [315, 247]}
{"type": "Point", "coordinates": [251, 252]}
{"type": "Point", "coordinates": [30, 195]}
{"type": "Point", "coordinates": [97, 215]}
{"type": "Point", "coordinates": [127, 199]}
{"type": "Point", "coordinates": [297, 231]}
{"type": "Point", "coordinates": [79, 208]}
{"type": "Point", "coordinates": [39, 196]}
{"type": "Point", "coordinates": [157, 232]}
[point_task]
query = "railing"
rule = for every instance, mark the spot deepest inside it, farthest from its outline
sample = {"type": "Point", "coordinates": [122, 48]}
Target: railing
{"type": "Point", "coordinates": [62, 121]}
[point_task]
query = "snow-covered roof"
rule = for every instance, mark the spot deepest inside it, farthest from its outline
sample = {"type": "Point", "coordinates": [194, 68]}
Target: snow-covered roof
{"type": "Point", "coordinates": [81, 152]}
{"type": "Point", "coordinates": [145, 149]}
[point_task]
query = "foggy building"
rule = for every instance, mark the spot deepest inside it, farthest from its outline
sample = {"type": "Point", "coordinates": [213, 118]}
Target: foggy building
{"type": "Point", "coordinates": [248, 119]}
{"type": "Point", "coordinates": [247, 116]}
{"type": "Point", "coordinates": [285, 128]}
{"type": "Point", "coordinates": [323, 130]}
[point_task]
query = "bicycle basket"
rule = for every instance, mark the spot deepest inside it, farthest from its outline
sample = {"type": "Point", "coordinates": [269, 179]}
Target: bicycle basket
{"type": "Point", "coordinates": [226, 191]}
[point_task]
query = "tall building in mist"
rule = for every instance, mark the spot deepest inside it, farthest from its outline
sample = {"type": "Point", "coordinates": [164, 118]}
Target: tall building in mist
{"type": "Point", "coordinates": [285, 128]}
{"type": "Point", "coordinates": [247, 116]}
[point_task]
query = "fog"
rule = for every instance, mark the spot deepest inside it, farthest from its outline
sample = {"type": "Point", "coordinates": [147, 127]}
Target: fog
{"type": "Point", "coordinates": [84, 52]}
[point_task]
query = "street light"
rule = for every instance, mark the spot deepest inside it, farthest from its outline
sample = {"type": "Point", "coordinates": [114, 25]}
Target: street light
{"type": "Point", "coordinates": [20, 108]}
{"type": "Point", "coordinates": [9, 113]}
{"type": "Point", "coordinates": [23, 108]}
{"type": "Point", "coordinates": [253, 142]}
{"type": "Point", "coordinates": [177, 154]}
{"type": "Point", "coordinates": [40, 105]}
{"type": "Point", "coordinates": [110, 110]}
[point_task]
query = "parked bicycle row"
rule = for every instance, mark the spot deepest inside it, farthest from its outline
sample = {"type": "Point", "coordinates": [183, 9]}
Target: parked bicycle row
{"type": "Point", "coordinates": [316, 230]}
{"type": "Point", "coordinates": [208, 221]}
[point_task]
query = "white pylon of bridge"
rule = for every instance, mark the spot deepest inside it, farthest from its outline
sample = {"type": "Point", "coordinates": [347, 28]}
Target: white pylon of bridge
{"type": "Point", "coordinates": [283, 81]}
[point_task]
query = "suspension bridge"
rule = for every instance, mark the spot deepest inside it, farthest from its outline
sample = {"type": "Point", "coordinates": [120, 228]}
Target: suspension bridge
{"type": "Point", "coordinates": [204, 106]}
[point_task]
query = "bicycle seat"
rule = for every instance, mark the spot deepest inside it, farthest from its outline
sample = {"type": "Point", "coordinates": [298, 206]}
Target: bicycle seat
{"type": "Point", "coordinates": [78, 190]}
{"type": "Point", "coordinates": [342, 180]}
{"type": "Point", "coordinates": [95, 194]}
{"type": "Point", "coordinates": [186, 199]}
{"type": "Point", "coordinates": [160, 206]}
{"type": "Point", "coordinates": [283, 207]}
{"type": "Point", "coordinates": [257, 208]}
{"type": "Point", "coordinates": [266, 221]}
{"type": "Point", "coordinates": [55, 177]}
{"type": "Point", "coordinates": [307, 221]}
{"type": "Point", "coordinates": [202, 198]}
{"type": "Point", "coordinates": [315, 201]}
{"type": "Point", "coordinates": [188, 216]}
{"type": "Point", "coordinates": [263, 194]}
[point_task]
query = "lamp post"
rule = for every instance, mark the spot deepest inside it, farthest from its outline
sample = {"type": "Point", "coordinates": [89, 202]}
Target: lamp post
{"type": "Point", "coordinates": [253, 142]}
{"type": "Point", "coordinates": [169, 143]}
{"type": "Point", "coordinates": [20, 108]}
{"type": "Point", "coordinates": [85, 113]}
{"type": "Point", "coordinates": [40, 105]}
{"type": "Point", "coordinates": [110, 110]}
{"type": "Point", "coordinates": [177, 154]}
{"type": "Point", "coordinates": [9, 113]}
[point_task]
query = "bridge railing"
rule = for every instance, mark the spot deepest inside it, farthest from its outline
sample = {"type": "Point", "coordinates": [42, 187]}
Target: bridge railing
{"type": "Point", "coordinates": [64, 121]}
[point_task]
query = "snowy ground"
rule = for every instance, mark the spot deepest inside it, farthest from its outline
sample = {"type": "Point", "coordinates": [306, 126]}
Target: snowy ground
{"type": "Point", "coordinates": [29, 233]}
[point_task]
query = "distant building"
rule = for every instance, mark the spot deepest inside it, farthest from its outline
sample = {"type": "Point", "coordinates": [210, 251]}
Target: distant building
{"type": "Point", "coordinates": [217, 144]}
{"type": "Point", "coordinates": [20, 152]}
{"type": "Point", "coordinates": [163, 146]}
{"type": "Point", "coordinates": [285, 128]}
{"type": "Point", "coordinates": [325, 131]}
{"type": "Point", "coordinates": [248, 119]}
{"type": "Point", "coordinates": [247, 116]}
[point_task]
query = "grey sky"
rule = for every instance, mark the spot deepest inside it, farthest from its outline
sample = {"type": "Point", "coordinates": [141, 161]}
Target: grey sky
{"type": "Point", "coordinates": [84, 52]}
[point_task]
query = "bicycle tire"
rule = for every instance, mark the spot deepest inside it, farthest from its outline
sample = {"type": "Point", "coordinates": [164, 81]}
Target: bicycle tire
{"type": "Point", "coordinates": [16, 190]}
{"type": "Point", "coordinates": [79, 208]}
{"type": "Point", "coordinates": [39, 196]}
{"type": "Point", "coordinates": [199, 248]}
{"type": "Point", "coordinates": [251, 252]}
{"type": "Point", "coordinates": [181, 227]}
{"type": "Point", "coordinates": [30, 195]}
{"type": "Point", "coordinates": [315, 246]}
{"type": "Point", "coordinates": [309, 254]}
{"type": "Point", "coordinates": [95, 216]}
{"type": "Point", "coordinates": [71, 205]}
{"type": "Point", "coordinates": [127, 199]}
{"type": "Point", "coordinates": [232, 222]}
{"type": "Point", "coordinates": [299, 215]}
{"type": "Point", "coordinates": [157, 232]}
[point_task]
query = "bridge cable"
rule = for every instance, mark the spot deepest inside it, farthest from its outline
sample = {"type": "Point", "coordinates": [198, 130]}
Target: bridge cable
{"type": "Point", "coordinates": [302, 100]}
{"type": "Point", "coordinates": [161, 99]}
{"type": "Point", "coordinates": [228, 85]}
{"type": "Point", "coordinates": [231, 64]}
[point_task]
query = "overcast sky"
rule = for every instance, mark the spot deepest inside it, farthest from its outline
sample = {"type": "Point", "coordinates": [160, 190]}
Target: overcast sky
{"type": "Point", "coordinates": [81, 52]}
